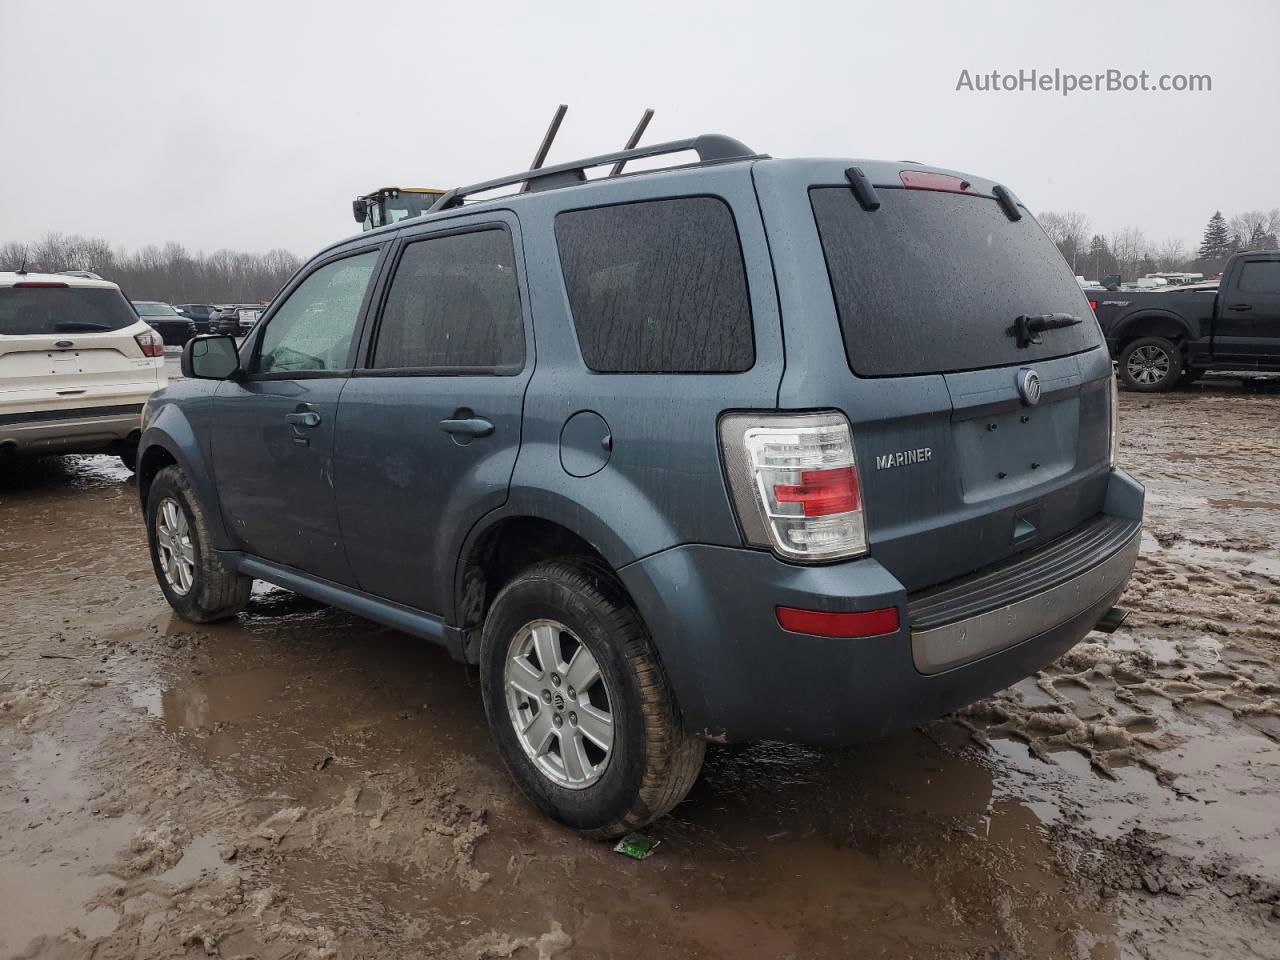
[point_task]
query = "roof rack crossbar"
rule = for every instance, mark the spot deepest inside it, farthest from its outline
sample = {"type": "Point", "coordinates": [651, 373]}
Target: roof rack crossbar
{"type": "Point", "coordinates": [709, 147]}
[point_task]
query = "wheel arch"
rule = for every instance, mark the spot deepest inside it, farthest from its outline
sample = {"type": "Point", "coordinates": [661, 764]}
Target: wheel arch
{"type": "Point", "coordinates": [168, 440]}
{"type": "Point", "coordinates": [1152, 323]}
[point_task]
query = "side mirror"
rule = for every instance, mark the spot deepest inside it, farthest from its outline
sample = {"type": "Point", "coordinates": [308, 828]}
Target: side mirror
{"type": "Point", "coordinates": [360, 210]}
{"type": "Point", "coordinates": [211, 357]}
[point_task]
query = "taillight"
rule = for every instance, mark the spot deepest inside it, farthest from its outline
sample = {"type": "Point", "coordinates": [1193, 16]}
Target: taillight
{"type": "Point", "coordinates": [1093, 305]}
{"type": "Point", "coordinates": [794, 480]}
{"type": "Point", "coordinates": [152, 343]}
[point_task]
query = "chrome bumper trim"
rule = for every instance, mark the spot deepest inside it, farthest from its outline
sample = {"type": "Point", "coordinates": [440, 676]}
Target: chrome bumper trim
{"type": "Point", "coordinates": [953, 644]}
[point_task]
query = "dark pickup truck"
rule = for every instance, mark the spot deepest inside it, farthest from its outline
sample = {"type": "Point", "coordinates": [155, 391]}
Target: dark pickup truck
{"type": "Point", "coordinates": [1163, 338]}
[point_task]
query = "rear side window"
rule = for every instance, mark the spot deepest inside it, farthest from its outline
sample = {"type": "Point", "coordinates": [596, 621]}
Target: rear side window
{"type": "Point", "coordinates": [657, 287]}
{"type": "Point", "coordinates": [1260, 276]}
{"type": "Point", "coordinates": [933, 282]}
{"type": "Point", "coordinates": [34, 310]}
{"type": "Point", "coordinates": [454, 305]}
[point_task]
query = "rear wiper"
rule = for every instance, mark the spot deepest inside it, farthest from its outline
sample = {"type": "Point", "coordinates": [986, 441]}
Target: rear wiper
{"type": "Point", "coordinates": [64, 326]}
{"type": "Point", "coordinates": [1027, 328]}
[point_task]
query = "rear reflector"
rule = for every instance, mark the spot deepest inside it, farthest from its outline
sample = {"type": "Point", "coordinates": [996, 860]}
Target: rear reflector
{"type": "Point", "coordinates": [41, 285]}
{"type": "Point", "coordinates": [868, 623]}
{"type": "Point", "coordinates": [919, 180]}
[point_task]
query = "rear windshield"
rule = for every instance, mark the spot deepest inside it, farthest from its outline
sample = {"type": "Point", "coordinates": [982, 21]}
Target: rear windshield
{"type": "Point", "coordinates": [146, 309]}
{"type": "Point", "coordinates": [932, 282]}
{"type": "Point", "coordinates": [27, 310]}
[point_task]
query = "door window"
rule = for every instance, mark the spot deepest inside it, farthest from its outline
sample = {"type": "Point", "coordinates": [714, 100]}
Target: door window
{"type": "Point", "coordinates": [312, 330]}
{"type": "Point", "coordinates": [1260, 276]}
{"type": "Point", "coordinates": [454, 306]}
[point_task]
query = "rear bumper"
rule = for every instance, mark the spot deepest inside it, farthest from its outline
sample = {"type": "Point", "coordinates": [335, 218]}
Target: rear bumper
{"type": "Point", "coordinates": [74, 430]}
{"type": "Point", "coordinates": [739, 676]}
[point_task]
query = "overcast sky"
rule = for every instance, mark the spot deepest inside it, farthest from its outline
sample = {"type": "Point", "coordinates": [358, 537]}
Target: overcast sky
{"type": "Point", "coordinates": [252, 125]}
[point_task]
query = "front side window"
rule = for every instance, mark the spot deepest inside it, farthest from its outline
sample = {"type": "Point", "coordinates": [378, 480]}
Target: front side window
{"type": "Point", "coordinates": [312, 330]}
{"type": "Point", "coordinates": [454, 305]}
{"type": "Point", "coordinates": [657, 287]}
{"type": "Point", "coordinates": [1260, 276]}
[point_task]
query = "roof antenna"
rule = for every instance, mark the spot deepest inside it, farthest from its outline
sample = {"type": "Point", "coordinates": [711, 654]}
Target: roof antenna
{"type": "Point", "coordinates": [633, 140]}
{"type": "Point", "coordinates": [544, 148]}
{"type": "Point", "coordinates": [23, 269]}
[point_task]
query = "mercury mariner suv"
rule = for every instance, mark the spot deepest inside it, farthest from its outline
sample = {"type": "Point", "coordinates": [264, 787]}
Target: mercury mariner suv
{"type": "Point", "coordinates": [742, 449]}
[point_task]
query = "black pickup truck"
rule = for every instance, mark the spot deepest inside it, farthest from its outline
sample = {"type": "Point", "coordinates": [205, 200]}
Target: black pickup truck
{"type": "Point", "coordinates": [1163, 338]}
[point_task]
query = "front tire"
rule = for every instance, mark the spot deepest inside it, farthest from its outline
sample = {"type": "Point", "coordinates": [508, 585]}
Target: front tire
{"type": "Point", "coordinates": [194, 581]}
{"type": "Point", "coordinates": [1151, 365]}
{"type": "Point", "coordinates": [579, 705]}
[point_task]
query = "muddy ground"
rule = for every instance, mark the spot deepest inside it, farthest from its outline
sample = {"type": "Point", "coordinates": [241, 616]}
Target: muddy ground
{"type": "Point", "coordinates": [302, 783]}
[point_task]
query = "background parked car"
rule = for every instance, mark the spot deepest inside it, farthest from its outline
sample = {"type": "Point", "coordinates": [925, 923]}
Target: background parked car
{"type": "Point", "coordinates": [235, 319]}
{"type": "Point", "coordinates": [199, 313]}
{"type": "Point", "coordinates": [76, 367]}
{"type": "Point", "coordinates": [166, 321]}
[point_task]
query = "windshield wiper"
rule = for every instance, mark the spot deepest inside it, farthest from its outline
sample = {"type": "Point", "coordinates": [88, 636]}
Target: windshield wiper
{"type": "Point", "coordinates": [65, 326]}
{"type": "Point", "coordinates": [1027, 328]}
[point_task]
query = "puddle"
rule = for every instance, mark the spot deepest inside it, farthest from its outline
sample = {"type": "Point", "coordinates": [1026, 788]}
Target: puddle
{"type": "Point", "coordinates": [209, 701]}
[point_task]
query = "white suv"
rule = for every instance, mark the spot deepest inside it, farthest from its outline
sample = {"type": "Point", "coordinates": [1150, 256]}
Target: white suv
{"type": "Point", "coordinates": [76, 366]}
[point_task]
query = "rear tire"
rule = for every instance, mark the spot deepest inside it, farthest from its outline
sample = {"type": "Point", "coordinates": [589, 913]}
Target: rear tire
{"type": "Point", "coordinates": [1151, 365]}
{"type": "Point", "coordinates": [558, 610]}
{"type": "Point", "coordinates": [198, 586]}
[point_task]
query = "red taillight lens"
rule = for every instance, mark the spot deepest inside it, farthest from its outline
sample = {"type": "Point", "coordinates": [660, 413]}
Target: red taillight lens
{"type": "Point", "coordinates": [944, 183]}
{"type": "Point", "coordinates": [1093, 305]}
{"type": "Point", "coordinates": [821, 493]}
{"type": "Point", "coordinates": [819, 623]}
{"type": "Point", "coordinates": [151, 343]}
{"type": "Point", "coordinates": [40, 285]}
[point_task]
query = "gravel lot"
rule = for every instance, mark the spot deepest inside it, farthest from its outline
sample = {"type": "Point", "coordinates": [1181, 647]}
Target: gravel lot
{"type": "Point", "coordinates": [302, 783]}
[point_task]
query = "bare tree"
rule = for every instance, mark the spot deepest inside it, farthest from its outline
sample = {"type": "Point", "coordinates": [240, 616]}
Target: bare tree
{"type": "Point", "coordinates": [1257, 229]}
{"type": "Point", "coordinates": [1070, 231]}
{"type": "Point", "coordinates": [1170, 255]}
{"type": "Point", "coordinates": [170, 272]}
{"type": "Point", "coordinates": [1129, 247]}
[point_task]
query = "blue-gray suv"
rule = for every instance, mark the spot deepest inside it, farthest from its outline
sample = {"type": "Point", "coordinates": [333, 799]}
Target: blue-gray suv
{"type": "Point", "coordinates": [740, 449]}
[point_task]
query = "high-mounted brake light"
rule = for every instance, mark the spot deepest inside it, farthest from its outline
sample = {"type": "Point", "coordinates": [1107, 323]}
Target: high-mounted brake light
{"type": "Point", "coordinates": [794, 480]}
{"type": "Point", "coordinates": [941, 182]}
{"type": "Point", "coordinates": [40, 285]}
{"type": "Point", "coordinates": [152, 343]}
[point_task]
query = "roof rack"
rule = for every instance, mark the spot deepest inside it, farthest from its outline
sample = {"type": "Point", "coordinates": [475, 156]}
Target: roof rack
{"type": "Point", "coordinates": [710, 147]}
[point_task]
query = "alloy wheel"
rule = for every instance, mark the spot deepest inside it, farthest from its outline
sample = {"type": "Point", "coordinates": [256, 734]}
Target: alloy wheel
{"type": "Point", "coordinates": [559, 705]}
{"type": "Point", "coordinates": [1149, 365]}
{"type": "Point", "coordinates": [173, 542]}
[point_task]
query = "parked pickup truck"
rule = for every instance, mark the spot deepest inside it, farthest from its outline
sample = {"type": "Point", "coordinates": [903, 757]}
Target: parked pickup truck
{"type": "Point", "coordinates": [1161, 339]}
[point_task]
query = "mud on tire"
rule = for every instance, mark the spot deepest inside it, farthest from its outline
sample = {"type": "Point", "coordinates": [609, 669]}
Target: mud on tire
{"type": "Point", "coordinates": [214, 592]}
{"type": "Point", "coordinates": [652, 762]}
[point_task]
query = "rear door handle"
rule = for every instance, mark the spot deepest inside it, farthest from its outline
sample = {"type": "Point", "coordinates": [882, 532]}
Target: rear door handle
{"type": "Point", "coordinates": [467, 427]}
{"type": "Point", "coordinates": [1241, 306]}
{"type": "Point", "coordinates": [305, 418]}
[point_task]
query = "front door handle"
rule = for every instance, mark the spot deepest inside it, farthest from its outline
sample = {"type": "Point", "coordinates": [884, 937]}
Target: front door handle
{"type": "Point", "coordinates": [467, 427]}
{"type": "Point", "coordinates": [303, 418]}
{"type": "Point", "coordinates": [1241, 306]}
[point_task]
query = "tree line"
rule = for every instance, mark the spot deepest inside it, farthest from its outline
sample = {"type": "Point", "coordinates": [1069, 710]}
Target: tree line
{"type": "Point", "coordinates": [170, 273]}
{"type": "Point", "coordinates": [1129, 254]}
